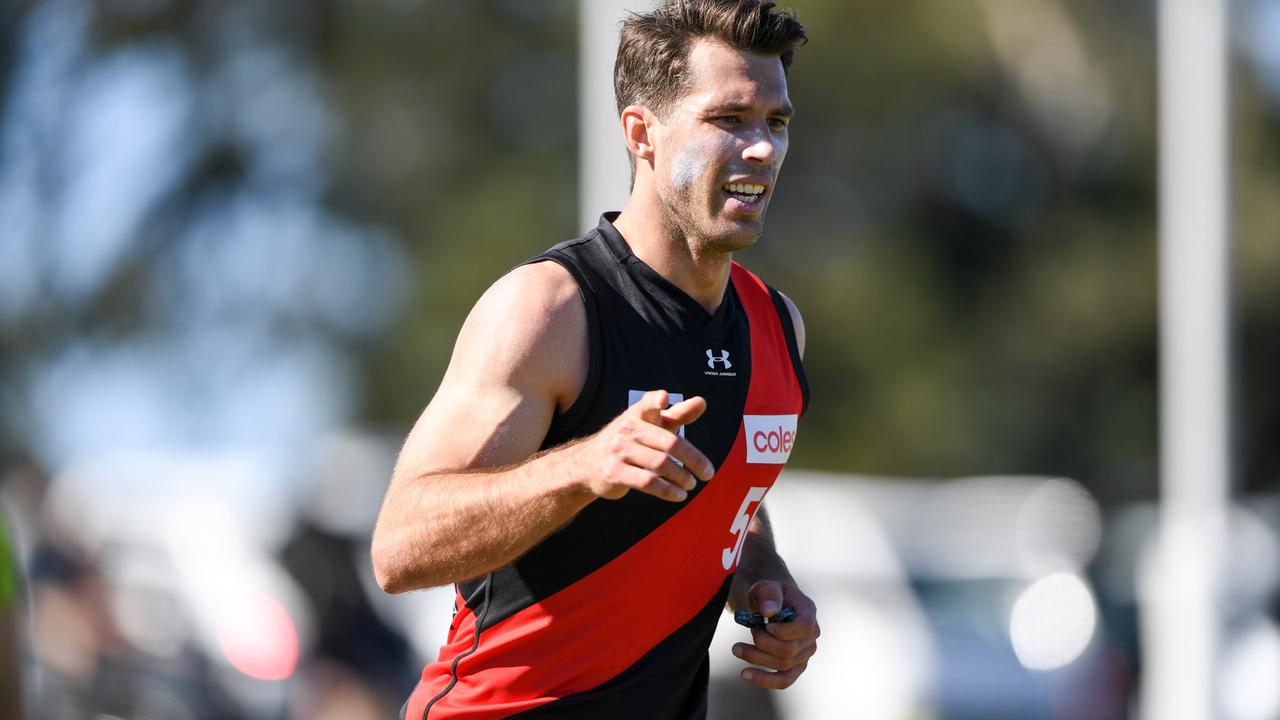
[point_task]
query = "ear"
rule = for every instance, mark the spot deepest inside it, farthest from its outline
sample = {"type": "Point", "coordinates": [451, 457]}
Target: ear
{"type": "Point", "coordinates": [637, 123]}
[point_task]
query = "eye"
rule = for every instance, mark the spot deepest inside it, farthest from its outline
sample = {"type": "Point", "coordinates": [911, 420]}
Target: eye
{"type": "Point", "coordinates": [778, 122]}
{"type": "Point", "coordinates": [727, 119]}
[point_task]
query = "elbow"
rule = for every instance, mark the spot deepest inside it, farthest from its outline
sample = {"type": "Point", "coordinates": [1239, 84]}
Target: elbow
{"type": "Point", "coordinates": [388, 571]}
{"type": "Point", "coordinates": [390, 582]}
{"type": "Point", "coordinates": [394, 580]}
{"type": "Point", "coordinates": [396, 571]}
{"type": "Point", "coordinates": [402, 559]}
{"type": "Point", "coordinates": [392, 585]}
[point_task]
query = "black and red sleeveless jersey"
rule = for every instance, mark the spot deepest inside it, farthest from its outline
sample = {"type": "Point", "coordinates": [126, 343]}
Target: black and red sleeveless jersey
{"type": "Point", "coordinates": [611, 616]}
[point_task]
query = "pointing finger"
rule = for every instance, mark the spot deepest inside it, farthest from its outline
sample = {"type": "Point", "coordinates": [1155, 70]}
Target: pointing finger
{"type": "Point", "coordinates": [649, 407]}
{"type": "Point", "coordinates": [653, 403]}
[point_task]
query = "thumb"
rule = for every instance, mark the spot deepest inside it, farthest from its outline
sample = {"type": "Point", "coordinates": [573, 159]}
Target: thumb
{"type": "Point", "coordinates": [766, 597]}
{"type": "Point", "coordinates": [684, 412]}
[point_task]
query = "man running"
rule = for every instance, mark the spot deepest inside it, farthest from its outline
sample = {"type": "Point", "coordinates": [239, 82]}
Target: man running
{"type": "Point", "coordinates": [591, 470]}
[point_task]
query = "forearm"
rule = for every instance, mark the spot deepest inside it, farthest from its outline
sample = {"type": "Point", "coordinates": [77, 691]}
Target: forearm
{"type": "Point", "coordinates": [760, 561]}
{"type": "Point", "coordinates": [779, 650]}
{"type": "Point", "coordinates": [441, 527]}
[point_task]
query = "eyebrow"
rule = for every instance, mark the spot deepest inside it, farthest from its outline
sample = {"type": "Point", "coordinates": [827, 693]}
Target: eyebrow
{"type": "Point", "coordinates": [784, 110]}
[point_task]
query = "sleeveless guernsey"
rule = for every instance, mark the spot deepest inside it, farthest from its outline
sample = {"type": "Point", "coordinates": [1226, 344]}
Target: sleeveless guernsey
{"type": "Point", "coordinates": [611, 616]}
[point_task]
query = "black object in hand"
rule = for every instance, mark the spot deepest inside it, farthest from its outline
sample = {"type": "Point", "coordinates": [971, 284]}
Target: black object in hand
{"type": "Point", "coordinates": [756, 620]}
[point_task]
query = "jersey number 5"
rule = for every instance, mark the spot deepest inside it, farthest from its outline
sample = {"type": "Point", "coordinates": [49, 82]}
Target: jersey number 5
{"type": "Point", "coordinates": [741, 521]}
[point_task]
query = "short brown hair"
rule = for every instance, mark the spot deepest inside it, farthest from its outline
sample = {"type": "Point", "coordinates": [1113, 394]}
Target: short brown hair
{"type": "Point", "coordinates": [654, 48]}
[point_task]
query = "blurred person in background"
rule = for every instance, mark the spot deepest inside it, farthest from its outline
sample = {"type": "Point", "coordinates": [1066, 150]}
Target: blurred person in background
{"type": "Point", "coordinates": [552, 483]}
{"type": "Point", "coordinates": [356, 654]}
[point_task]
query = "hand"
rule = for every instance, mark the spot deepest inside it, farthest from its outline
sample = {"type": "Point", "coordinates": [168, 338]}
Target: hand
{"type": "Point", "coordinates": [639, 450]}
{"type": "Point", "coordinates": [782, 649]}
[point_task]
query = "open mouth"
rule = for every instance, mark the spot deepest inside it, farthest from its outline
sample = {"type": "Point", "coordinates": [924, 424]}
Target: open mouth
{"type": "Point", "coordinates": [745, 193]}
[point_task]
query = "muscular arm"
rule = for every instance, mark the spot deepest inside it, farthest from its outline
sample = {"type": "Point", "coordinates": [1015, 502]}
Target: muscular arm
{"type": "Point", "coordinates": [469, 494]}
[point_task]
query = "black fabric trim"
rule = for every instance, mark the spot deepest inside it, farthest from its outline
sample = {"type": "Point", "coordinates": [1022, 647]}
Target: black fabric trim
{"type": "Point", "coordinates": [475, 645]}
{"type": "Point", "coordinates": [669, 682]}
{"type": "Point", "coordinates": [662, 289]}
{"type": "Point", "coordinates": [793, 347]}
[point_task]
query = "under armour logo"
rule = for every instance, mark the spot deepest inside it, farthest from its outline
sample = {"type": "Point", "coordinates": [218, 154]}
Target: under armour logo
{"type": "Point", "coordinates": [724, 358]}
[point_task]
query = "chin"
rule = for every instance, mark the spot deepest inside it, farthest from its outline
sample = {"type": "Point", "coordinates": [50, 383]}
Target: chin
{"type": "Point", "coordinates": [734, 238]}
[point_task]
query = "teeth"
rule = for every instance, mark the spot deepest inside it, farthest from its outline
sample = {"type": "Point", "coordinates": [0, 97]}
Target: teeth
{"type": "Point", "coordinates": [744, 188]}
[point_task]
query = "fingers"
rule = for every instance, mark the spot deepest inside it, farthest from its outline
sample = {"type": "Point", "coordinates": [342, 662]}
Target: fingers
{"type": "Point", "coordinates": [766, 597]}
{"type": "Point", "coordinates": [649, 407]}
{"type": "Point", "coordinates": [781, 650]}
{"type": "Point", "coordinates": [683, 412]}
{"type": "Point", "coordinates": [641, 450]}
{"type": "Point", "coordinates": [780, 647]}
{"type": "Point", "coordinates": [786, 639]}
{"type": "Point", "coordinates": [652, 408]}
{"type": "Point", "coordinates": [651, 483]}
{"type": "Point", "coordinates": [778, 660]}
{"type": "Point", "coordinates": [677, 447]}
{"type": "Point", "coordinates": [803, 627]}
{"type": "Point", "coordinates": [780, 663]}
{"type": "Point", "coordinates": [684, 451]}
{"type": "Point", "coordinates": [772, 680]}
{"type": "Point", "coordinates": [662, 464]}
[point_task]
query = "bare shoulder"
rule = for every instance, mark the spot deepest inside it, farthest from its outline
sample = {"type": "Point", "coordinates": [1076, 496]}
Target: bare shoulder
{"type": "Point", "coordinates": [544, 290]}
{"type": "Point", "coordinates": [528, 329]}
{"type": "Point", "coordinates": [796, 321]}
{"type": "Point", "coordinates": [521, 356]}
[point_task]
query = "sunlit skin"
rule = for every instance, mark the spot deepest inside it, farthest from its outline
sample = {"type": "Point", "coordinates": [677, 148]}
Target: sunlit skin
{"type": "Point", "coordinates": [471, 491]}
{"type": "Point", "coordinates": [730, 126]}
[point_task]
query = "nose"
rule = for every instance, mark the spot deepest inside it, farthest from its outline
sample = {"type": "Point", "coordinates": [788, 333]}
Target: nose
{"type": "Point", "coordinates": [762, 146]}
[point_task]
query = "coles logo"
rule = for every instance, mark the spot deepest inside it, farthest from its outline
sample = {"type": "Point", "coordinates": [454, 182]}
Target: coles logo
{"type": "Point", "coordinates": [769, 438]}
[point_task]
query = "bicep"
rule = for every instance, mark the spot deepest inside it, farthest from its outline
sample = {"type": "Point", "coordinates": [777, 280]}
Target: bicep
{"type": "Point", "coordinates": [521, 352]}
{"type": "Point", "coordinates": [472, 426]}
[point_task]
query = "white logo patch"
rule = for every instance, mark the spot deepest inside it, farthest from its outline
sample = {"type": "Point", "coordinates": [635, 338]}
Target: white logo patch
{"type": "Point", "coordinates": [770, 438]}
{"type": "Point", "coordinates": [723, 359]}
{"type": "Point", "coordinates": [719, 364]}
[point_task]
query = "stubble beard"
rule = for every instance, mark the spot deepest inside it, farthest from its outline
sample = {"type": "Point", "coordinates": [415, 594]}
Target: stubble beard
{"type": "Point", "coordinates": [691, 218]}
{"type": "Point", "coordinates": [698, 231]}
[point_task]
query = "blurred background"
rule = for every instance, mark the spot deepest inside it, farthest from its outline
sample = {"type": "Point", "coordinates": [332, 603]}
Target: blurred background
{"type": "Point", "coordinates": [238, 239]}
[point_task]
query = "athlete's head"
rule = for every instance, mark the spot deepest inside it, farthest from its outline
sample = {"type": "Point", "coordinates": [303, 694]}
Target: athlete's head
{"type": "Point", "coordinates": [702, 90]}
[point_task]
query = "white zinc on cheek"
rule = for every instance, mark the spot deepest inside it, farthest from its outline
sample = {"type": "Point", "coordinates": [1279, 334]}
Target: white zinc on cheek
{"type": "Point", "coordinates": [687, 166]}
{"type": "Point", "coordinates": [694, 159]}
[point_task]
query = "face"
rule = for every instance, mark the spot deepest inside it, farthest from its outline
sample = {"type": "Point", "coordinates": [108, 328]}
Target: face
{"type": "Point", "coordinates": [718, 149]}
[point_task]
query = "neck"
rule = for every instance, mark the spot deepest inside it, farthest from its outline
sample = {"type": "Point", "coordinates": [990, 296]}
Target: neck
{"type": "Point", "coordinates": [702, 275]}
